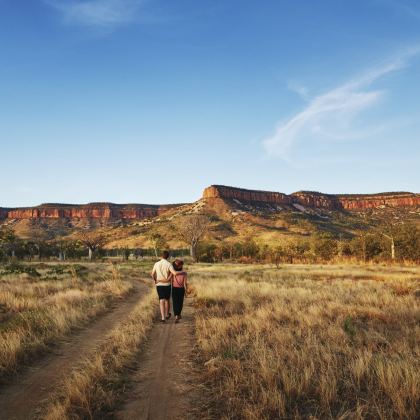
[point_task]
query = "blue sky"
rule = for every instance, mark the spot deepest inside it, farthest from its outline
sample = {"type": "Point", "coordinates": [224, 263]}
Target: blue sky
{"type": "Point", "coordinates": [150, 101]}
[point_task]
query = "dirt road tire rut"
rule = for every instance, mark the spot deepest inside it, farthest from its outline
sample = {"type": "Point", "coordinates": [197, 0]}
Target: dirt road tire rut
{"type": "Point", "coordinates": [21, 399]}
{"type": "Point", "coordinates": [162, 387]}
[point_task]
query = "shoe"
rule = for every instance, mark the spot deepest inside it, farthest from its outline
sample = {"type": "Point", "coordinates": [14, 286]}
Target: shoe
{"type": "Point", "coordinates": [176, 321]}
{"type": "Point", "coordinates": [162, 321]}
{"type": "Point", "coordinates": [168, 316]}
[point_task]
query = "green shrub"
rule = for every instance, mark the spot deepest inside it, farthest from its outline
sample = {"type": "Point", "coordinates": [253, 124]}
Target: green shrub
{"type": "Point", "coordinates": [16, 268]}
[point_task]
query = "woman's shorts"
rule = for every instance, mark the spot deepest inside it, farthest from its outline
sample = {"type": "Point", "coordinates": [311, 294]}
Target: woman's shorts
{"type": "Point", "coordinates": [164, 292]}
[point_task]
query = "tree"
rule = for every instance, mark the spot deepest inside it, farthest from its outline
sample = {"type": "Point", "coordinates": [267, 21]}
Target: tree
{"type": "Point", "coordinates": [324, 246]}
{"type": "Point", "coordinates": [30, 249]}
{"type": "Point", "coordinates": [8, 241]}
{"type": "Point", "coordinates": [392, 243]}
{"type": "Point", "coordinates": [206, 252]}
{"type": "Point", "coordinates": [250, 248]}
{"type": "Point", "coordinates": [157, 241]}
{"type": "Point", "coordinates": [367, 246]}
{"type": "Point", "coordinates": [388, 230]}
{"type": "Point", "coordinates": [126, 253]}
{"type": "Point", "coordinates": [276, 255]}
{"type": "Point", "coordinates": [191, 229]}
{"type": "Point", "coordinates": [93, 241]}
{"type": "Point", "coordinates": [407, 240]}
{"type": "Point", "coordinates": [66, 248]}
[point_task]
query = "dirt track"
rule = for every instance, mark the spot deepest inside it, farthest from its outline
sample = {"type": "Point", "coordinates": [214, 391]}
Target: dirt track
{"type": "Point", "coordinates": [163, 383]}
{"type": "Point", "coordinates": [21, 399]}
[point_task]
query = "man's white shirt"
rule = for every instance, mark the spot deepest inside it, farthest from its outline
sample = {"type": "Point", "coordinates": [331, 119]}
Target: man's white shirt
{"type": "Point", "coordinates": [163, 269]}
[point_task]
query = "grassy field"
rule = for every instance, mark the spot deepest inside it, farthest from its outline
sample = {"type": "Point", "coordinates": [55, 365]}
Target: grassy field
{"type": "Point", "coordinates": [40, 303]}
{"type": "Point", "coordinates": [309, 341]}
{"type": "Point", "coordinates": [301, 341]}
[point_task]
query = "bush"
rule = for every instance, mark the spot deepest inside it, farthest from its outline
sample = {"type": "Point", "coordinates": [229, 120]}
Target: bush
{"type": "Point", "coordinates": [16, 268]}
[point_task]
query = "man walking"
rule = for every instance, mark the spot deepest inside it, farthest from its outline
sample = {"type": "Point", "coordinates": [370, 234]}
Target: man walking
{"type": "Point", "coordinates": [161, 274]}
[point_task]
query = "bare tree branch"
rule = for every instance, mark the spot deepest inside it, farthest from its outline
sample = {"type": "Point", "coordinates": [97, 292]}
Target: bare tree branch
{"type": "Point", "coordinates": [191, 229]}
{"type": "Point", "coordinates": [93, 241]}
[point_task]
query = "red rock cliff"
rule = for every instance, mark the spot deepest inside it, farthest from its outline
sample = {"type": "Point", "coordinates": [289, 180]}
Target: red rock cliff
{"type": "Point", "coordinates": [142, 211]}
{"type": "Point", "coordinates": [315, 199]}
{"type": "Point", "coordinates": [241, 194]}
{"type": "Point", "coordinates": [93, 210]}
{"type": "Point", "coordinates": [357, 202]}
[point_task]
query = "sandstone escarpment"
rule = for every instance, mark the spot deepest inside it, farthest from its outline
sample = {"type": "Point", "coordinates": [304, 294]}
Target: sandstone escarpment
{"type": "Point", "coordinates": [360, 202]}
{"type": "Point", "coordinates": [241, 194]}
{"type": "Point", "coordinates": [86, 211]}
{"type": "Point", "coordinates": [315, 199]}
{"type": "Point", "coordinates": [215, 194]}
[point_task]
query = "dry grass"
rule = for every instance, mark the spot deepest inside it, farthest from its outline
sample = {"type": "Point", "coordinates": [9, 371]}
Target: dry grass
{"type": "Point", "coordinates": [309, 341]}
{"type": "Point", "coordinates": [93, 388]}
{"type": "Point", "coordinates": [36, 311]}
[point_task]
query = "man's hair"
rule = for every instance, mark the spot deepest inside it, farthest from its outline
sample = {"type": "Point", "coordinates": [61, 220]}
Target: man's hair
{"type": "Point", "coordinates": [165, 254]}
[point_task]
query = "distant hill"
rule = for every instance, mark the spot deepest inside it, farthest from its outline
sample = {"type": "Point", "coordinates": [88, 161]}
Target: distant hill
{"type": "Point", "coordinates": [236, 213]}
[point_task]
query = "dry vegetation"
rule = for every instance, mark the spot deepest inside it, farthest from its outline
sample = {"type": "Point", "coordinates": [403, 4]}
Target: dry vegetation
{"type": "Point", "coordinates": [309, 341]}
{"type": "Point", "coordinates": [302, 341]}
{"type": "Point", "coordinates": [45, 303]}
{"type": "Point", "coordinates": [92, 389]}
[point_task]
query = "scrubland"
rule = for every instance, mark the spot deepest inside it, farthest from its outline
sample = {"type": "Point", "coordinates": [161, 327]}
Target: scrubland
{"type": "Point", "coordinates": [309, 341]}
{"type": "Point", "coordinates": [301, 341]}
{"type": "Point", "coordinates": [44, 302]}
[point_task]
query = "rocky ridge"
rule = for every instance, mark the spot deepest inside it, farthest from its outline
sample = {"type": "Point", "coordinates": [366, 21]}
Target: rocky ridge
{"type": "Point", "coordinates": [86, 211]}
{"type": "Point", "coordinates": [313, 199]}
{"type": "Point", "coordinates": [212, 194]}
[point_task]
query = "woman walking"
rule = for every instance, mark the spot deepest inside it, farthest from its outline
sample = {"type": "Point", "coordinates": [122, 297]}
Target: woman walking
{"type": "Point", "coordinates": [179, 286]}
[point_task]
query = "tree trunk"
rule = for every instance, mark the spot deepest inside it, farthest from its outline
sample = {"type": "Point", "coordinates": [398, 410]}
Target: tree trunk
{"type": "Point", "coordinates": [364, 248]}
{"type": "Point", "coordinates": [193, 252]}
{"type": "Point", "coordinates": [392, 249]}
{"type": "Point", "coordinates": [90, 253]}
{"type": "Point", "coordinates": [340, 247]}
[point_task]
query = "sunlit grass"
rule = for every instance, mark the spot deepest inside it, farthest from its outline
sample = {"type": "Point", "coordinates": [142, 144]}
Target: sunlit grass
{"type": "Point", "coordinates": [302, 341]}
{"type": "Point", "coordinates": [36, 311]}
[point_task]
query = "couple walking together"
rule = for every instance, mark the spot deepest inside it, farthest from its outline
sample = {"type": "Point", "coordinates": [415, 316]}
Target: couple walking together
{"type": "Point", "coordinates": [170, 278]}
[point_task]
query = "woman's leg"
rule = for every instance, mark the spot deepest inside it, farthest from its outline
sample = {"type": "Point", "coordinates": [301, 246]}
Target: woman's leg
{"type": "Point", "coordinates": [175, 301]}
{"type": "Point", "coordinates": [181, 299]}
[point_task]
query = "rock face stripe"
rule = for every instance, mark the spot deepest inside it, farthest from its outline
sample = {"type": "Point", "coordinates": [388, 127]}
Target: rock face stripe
{"type": "Point", "coordinates": [315, 199]}
{"type": "Point", "coordinates": [98, 211]}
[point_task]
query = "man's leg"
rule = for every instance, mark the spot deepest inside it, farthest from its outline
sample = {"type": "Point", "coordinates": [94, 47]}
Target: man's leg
{"type": "Point", "coordinates": [162, 307]}
{"type": "Point", "coordinates": [167, 307]}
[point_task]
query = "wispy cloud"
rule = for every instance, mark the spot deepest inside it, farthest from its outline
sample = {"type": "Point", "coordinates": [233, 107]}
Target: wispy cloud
{"type": "Point", "coordinates": [96, 13]}
{"type": "Point", "coordinates": [411, 8]}
{"type": "Point", "coordinates": [331, 115]}
{"type": "Point", "coordinates": [298, 88]}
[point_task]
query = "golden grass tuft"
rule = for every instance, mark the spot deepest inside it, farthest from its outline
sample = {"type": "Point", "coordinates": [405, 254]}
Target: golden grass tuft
{"type": "Point", "coordinates": [336, 342]}
{"type": "Point", "coordinates": [36, 312]}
